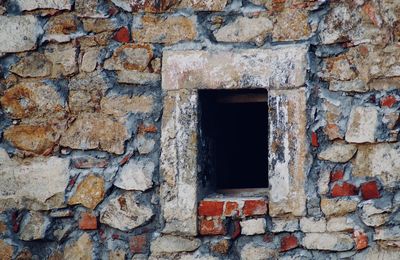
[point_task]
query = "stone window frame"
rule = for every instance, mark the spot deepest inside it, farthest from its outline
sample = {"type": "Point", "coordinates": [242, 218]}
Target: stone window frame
{"type": "Point", "coordinates": [282, 71]}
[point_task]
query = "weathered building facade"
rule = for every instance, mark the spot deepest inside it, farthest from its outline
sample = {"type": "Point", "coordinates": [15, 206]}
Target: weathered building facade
{"type": "Point", "coordinates": [109, 134]}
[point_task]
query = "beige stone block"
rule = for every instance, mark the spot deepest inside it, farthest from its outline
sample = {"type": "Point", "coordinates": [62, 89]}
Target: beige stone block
{"type": "Point", "coordinates": [29, 5]}
{"type": "Point", "coordinates": [170, 30]}
{"type": "Point", "coordinates": [245, 29]}
{"type": "Point", "coordinates": [362, 125]}
{"type": "Point", "coordinates": [328, 241]}
{"type": "Point", "coordinates": [378, 160]}
{"type": "Point", "coordinates": [338, 206]}
{"type": "Point", "coordinates": [22, 182]}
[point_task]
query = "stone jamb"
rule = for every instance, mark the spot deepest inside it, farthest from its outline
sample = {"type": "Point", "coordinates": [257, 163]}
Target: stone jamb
{"type": "Point", "coordinates": [280, 70]}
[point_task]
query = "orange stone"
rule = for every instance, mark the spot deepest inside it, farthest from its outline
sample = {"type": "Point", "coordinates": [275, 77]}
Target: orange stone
{"type": "Point", "coordinates": [169, 30]}
{"type": "Point", "coordinates": [31, 138]}
{"type": "Point", "coordinates": [6, 251]}
{"type": "Point", "coordinates": [88, 222]}
{"type": "Point", "coordinates": [361, 239]}
{"type": "Point", "coordinates": [89, 193]}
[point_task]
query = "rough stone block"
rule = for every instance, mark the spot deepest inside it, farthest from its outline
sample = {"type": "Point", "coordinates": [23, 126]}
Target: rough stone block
{"type": "Point", "coordinates": [33, 226]}
{"type": "Point", "coordinates": [22, 182]}
{"type": "Point", "coordinates": [120, 106]}
{"type": "Point", "coordinates": [253, 226]}
{"type": "Point", "coordinates": [32, 66]}
{"type": "Point", "coordinates": [19, 33]}
{"type": "Point", "coordinates": [61, 28]}
{"type": "Point", "coordinates": [378, 160]}
{"type": "Point", "coordinates": [328, 241]}
{"type": "Point", "coordinates": [257, 251]}
{"type": "Point", "coordinates": [292, 24]}
{"type": "Point", "coordinates": [29, 5]}
{"type": "Point", "coordinates": [285, 225]}
{"type": "Point", "coordinates": [174, 244]}
{"type": "Point", "coordinates": [80, 249]}
{"type": "Point", "coordinates": [125, 213]}
{"type": "Point", "coordinates": [245, 29]}
{"type": "Point", "coordinates": [90, 192]}
{"type": "Point", "coordinates": [168, 30]}
{"type": "Point", "coordinates": [362, 125]}
{"type": "Point", "coordinates": [340, 224]}
{"type": "Point", "coordinates": [338, 152]}
{"type": "Point", "coordinates": [338, 206]}
{"type": "Point", "coordinates": [96, 131]}
{"type": "Point", "coordinates": [311, 225]}
{"type": "Point", "coordinates": [136, 175]}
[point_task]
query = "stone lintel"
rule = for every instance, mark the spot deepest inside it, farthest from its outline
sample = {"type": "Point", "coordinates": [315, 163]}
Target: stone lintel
{"type": "Point", "coordinates": [275, 68]}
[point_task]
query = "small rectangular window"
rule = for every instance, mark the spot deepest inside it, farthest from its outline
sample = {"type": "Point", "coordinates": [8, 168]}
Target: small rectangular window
{"type": "Point", "coordinates": [234, 132]}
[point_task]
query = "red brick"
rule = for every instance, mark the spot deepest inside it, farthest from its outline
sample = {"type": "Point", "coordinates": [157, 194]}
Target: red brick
{"type": "Point", "coordinates": [125, 159]}
{"type": "Point", "coordinates": [88, 162]}
{"type": "Point", "coordinates": [255, 207]}
{"type": "Point", "coordinates": [211, 208]}
{"type": "Point", "coordinates": [212, 227]}
{"type": "Point", "coordinates": [231, 209]}
{"type": "Point", "coordinates": [268, 238]}
{"type": "Point", "coordinates": [87, 222]}
{"type": "Point", "coordinates": [142, 128]}
{"type": "Point", "coordinates": [314, 139]}
{"type": "Point", "coordinates": [122, 35]}
{"type": "Point", "coordinates": [344, 189]}
{"type": "Point", "coordinates": [289, 242]}
{"type": "Point", "coordinates": [337, 175]}
{"type": "Point", "coordinates": [369, 190]}
{"type": "Point", "coordinates": [388, 101]}
{"type": "Point", "coordinates": [361, 239]}
{"type": "Point", "coordinates": [138, 244]}
{"type": "Point", "coordinates": [237, 230]}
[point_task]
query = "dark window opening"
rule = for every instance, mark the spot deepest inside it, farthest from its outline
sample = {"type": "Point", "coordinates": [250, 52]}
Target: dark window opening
{"type": "Point", "coordinates": [234, 132]}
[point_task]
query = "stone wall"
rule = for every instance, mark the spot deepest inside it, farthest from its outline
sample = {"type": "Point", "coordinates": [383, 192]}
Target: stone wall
{"type": "Point", "coordinates": [98, 128]}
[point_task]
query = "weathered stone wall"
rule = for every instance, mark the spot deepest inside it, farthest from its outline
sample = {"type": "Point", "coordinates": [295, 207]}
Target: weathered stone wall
{"type": "Point", "coordinates": [98, 128]}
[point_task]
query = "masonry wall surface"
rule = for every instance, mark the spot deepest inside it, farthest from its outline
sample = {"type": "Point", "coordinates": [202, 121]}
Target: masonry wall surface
{"type": "Point", "coordinates": [99, 128]}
